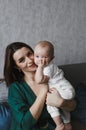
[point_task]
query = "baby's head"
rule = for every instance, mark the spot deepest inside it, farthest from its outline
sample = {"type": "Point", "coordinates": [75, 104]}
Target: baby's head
{"type": "Point", "coordinates": [43, 49]}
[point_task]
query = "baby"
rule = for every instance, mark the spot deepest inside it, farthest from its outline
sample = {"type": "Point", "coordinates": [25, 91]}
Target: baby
{"type": "Point", "coordinates": [47, 71]}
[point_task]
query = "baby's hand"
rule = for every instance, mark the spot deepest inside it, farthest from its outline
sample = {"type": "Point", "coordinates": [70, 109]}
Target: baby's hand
{"type": "Point", "coordinates": [42, 62]}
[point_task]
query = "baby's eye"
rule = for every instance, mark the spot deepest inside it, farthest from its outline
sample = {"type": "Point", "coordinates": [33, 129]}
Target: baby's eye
{"type": "Point", "coordinates": [46, 57]}
{"type": "Point", "coordinates": [37, 56]}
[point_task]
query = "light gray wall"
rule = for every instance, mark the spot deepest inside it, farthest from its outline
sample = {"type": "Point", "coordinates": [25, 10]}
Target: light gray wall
{"type": "Point", "coordinates": [62, 22]}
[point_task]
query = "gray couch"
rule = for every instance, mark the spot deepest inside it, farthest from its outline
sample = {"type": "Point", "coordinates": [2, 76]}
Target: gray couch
{"type": "Point", "coordinates": [75, 73]}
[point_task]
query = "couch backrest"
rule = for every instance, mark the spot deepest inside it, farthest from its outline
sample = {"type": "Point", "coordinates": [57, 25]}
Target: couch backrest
{"type": "Point", "coordinates": [75, 73]}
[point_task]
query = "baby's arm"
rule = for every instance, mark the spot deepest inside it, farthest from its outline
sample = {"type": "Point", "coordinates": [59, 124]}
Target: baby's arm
{"type": "Point", "coordinates": [39, 76]}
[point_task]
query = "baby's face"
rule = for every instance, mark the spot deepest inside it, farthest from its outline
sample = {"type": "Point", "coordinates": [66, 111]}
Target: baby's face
{"type": "Point", "coordinates": [42, 55]}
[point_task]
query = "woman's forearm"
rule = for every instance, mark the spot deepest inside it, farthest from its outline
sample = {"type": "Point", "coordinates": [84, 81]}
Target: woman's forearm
{"type": "Point", "coordinates": [69, 105]}
{"type": "Point", "coordinates": [54, 99]}
{"type": "Point", "coordinates": [38, 105]}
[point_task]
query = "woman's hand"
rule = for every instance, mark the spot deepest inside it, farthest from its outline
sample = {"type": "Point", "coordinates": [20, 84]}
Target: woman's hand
{"type": "Point", "coordinates": [54, 98]}
{"type": "Point", "coordinates": [43, 89]}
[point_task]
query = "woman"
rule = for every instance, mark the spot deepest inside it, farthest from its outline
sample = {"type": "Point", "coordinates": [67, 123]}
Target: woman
{"type": "Point", "coordinates": [27, 98]}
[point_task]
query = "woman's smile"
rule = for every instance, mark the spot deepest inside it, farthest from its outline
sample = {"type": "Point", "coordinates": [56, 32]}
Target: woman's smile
{"type": "Point", "coordinates": [32, 65]}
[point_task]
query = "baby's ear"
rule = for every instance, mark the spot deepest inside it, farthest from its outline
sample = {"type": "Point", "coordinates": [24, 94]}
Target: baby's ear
{"type": "Point", "coordinates": [53, 57]}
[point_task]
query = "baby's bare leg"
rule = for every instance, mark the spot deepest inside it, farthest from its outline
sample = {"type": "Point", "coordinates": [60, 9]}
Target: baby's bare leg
{"type": "Point", "coordinates": [68, 126]}
{"type": "Point", "coordinates": [61, 127]}
{"type": "Point", "coordinates": [59, 123]}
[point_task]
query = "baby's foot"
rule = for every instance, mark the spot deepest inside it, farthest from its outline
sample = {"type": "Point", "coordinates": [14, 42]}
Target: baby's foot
{"type": "Point", "coordinates": [60, 127]}
{"type": "Point", "coordinates": [68, 126]}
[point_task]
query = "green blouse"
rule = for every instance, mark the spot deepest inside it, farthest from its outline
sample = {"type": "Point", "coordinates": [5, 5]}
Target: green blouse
{"type": "Point", "coordinates": [20, 98]}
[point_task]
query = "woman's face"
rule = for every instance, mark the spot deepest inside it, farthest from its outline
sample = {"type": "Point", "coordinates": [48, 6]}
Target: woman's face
{"type": "Point", "coordinates": [24, 60]}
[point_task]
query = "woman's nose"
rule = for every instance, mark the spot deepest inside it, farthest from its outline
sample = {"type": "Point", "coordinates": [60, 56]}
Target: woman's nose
{"type": "Point", "coordinates": [28, 59]}
{"type": "Point", "coordinates": [31, 57]}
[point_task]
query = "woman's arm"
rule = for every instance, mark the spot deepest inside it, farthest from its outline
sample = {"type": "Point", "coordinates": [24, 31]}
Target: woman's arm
{"type": "Point", "coordinates": [69, 105]}
{"type": "Point", "coordinates": [38, 105]}
{"type": "Point", "coordinates": [54, 99]}
{"type": "Point", "coordinates": [26, 113]}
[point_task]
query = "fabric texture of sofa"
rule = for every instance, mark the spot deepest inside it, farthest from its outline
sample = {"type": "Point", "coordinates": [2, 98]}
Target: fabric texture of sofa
{"type": "Point", "coordinates": [76, 74]}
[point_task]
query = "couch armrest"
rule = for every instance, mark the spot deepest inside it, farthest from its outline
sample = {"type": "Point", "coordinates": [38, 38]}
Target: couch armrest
{"type": "Point", "coordinates": [5, 116]}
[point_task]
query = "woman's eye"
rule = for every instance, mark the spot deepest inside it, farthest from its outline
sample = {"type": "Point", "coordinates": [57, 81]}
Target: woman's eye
{"type": "Point", "coordinates": [29, 54]}
{"type": "Point", "coordinates": [21, 60]}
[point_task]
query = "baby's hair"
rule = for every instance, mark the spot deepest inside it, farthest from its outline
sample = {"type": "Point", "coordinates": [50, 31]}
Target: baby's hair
{"type": "Point", "coordinates": [49, 44]}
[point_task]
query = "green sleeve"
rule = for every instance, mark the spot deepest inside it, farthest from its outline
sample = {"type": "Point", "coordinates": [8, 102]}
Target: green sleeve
{"type": "Point", "coordinates": [20, 108]}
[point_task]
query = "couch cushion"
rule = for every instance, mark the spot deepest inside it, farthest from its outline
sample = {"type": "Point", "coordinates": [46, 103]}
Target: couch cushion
{"type": "Point", "coordinates": [3, 91]}
{"type": "Point", "coordinates": [80, 111]}
{"type": "Point", "coordinates": [5, 116]}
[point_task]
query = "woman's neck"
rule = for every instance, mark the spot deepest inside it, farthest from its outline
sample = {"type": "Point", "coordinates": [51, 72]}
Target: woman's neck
{"type": "Point", "coordinates": [29, 77]}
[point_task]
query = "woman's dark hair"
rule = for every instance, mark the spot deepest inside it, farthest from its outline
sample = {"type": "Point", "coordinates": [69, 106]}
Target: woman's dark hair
{"type": "Point", "coordinates": [11, 73]}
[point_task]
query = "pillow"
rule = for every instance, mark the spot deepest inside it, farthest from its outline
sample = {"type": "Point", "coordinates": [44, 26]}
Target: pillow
{"type": "Point", "coordinates": [80, 111]}
{"type": "Point", "coordinates": [3, 91]}
{"type": "Point", "coordinates": [5, 116]}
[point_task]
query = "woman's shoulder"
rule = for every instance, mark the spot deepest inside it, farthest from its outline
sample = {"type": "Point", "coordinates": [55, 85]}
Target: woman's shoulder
{"type": "Point", "coordinates": [17, 87]}
{"type": "Point", "coordinates": [16, 84]}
